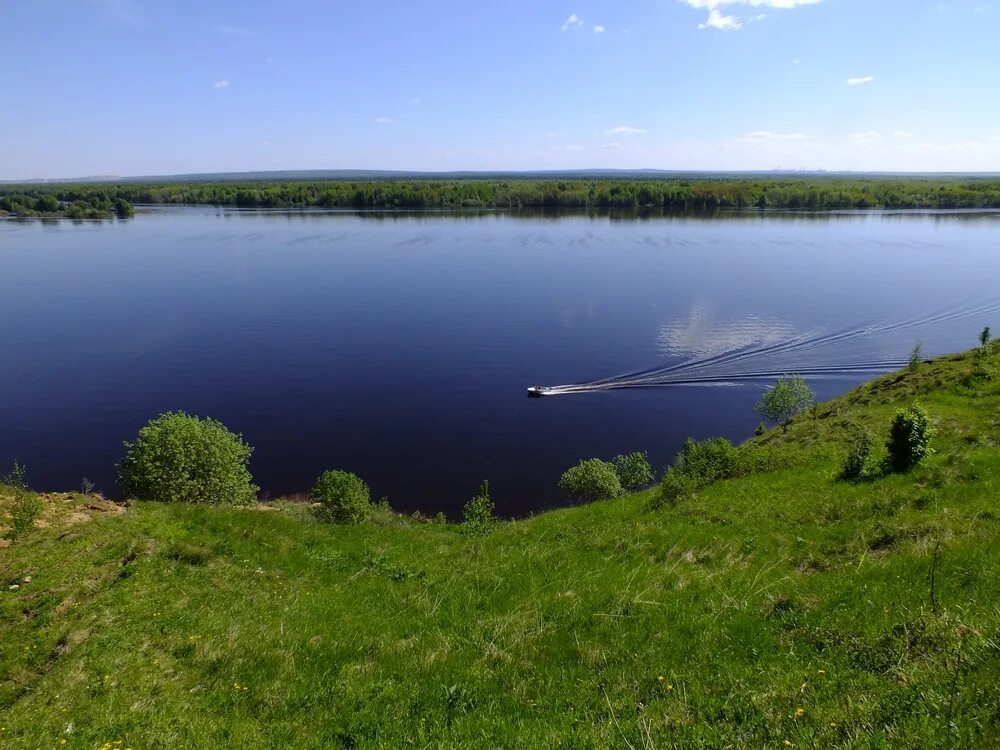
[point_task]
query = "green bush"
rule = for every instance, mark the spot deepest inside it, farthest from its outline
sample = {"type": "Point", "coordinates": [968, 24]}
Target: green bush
{"type": "Point", "coordinates": [857, 455]}
{"type": "Point", "coordinates": [761, 429]}
{"type": "Point", "coordinates": [343, 498]}
{"type": "Point", "coordinates": [633, 470]}
{"type": "Point", "coordinates": [708, 461]}
{"type": "Point", "coordinates": [478, 513]}
{"type": "Point", "coordinates": [916, 357]}
{"type": "Point", "coordinates": [592, 479]}
{"type": "Point", "coordinates": [673, 487]}
{"type": "Point", "coordinates": [181, 458]}
{"type": "Point", "coordinates": [909, 438]}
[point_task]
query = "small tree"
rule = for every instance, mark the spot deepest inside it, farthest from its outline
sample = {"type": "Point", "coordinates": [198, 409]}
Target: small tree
{"type": "Point", "coordinates": [857, 455]}
{"type": "Point", "coordinates": [786, 398]}
{"type": "Point", "coordinates": [985, 336]}
{"type": "Point", "coordinates": [761, 429]}
{"type": "Point", "coordinates": [178, 457]}
{"type": "Point", "coordinates": [909, 438]}
{"type": "Point", "coordinates": [343, 498]}
{"type": "Point", "coordinates": [916, 357]}
{"type": "Point", "coordinates": [592, 479]}
{"type": "Point", "coordinates": [633, 470]}
{"type": "Point", "coordinates": [478, 513]}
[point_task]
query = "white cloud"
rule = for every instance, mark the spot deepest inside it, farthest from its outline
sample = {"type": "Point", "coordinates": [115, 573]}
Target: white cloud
{"type": "Point", "coordinates": [598, 29]}
{"type": "Point", "coordinates": [613, 144]}
{"type": "Point", "coordinates": [859, 81]}
{"type": "Point", "coordinates": [624, 130]}
{"type": "Point", "coordinates": [710, 4]}
{"type": "Point", "coordinates": [761, 135]}
{"type": "Point", "coordinates": [573, 20]}
{"type": "Point", "coordinates": [223, 84]}
{"type": "Point", "coordinates": [573, 147]}
{"type": "Point", "coordinates": [901, 134]}
{"type": "Point", "coordinates": [795, 61]}
{"type": "Point", "coordinates": [227, 30]}
{"type": "Point", "coordinates": [382, 120]}
{"type": "Point", "coordinates": [868, 136]}
{"type": "Point", "coordinates": [718, 20]}
{"type": "Point", "coordinates": [415, 101]}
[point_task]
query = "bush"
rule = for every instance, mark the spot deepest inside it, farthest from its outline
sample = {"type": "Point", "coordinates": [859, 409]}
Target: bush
{"type": "Point", "coordinates": [916, 357]}
{"type": "Point", "coordinates": [26, 506]}
{"type": "Point", "coordinates": [708, 461]}
{"type": "Point", "coordinates": [857, 455]}
{"type": "Point", "coordinates": [478, 512]}
{"type": "Point", "coordinates": [761, 429]}
{"type": "Point", "coordinates": [592, 479]}
{"type": "Point", "coordinates": [633, 470]}
{"type": "Point", "coordinates": [909, 438]}
{"type": "Point", "coordinates": [343, 498]}
{"type": "Point", "coordinates": [673, 487]}
{"type": "Point", "coordinates": [178, 457]}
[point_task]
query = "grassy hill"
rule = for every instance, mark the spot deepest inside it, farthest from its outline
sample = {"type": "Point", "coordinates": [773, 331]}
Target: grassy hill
{"type": "Point", "coordinates": [784, 609]}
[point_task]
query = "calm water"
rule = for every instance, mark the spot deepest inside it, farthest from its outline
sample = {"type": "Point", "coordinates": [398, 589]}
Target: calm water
{"type": "Point", "coordinates": [399, 347]}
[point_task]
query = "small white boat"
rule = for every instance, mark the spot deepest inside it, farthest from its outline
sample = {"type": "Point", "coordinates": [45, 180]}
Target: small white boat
{"type": "Point", "coordinates": [537, 391]}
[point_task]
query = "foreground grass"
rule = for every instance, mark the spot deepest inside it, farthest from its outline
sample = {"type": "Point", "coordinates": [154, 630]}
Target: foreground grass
{"type": "Point", "coordinates": [783, 609]}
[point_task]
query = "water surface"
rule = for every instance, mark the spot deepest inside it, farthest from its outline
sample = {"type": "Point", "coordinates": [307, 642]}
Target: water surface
{"type": "Point", "coordinates": [399, 346]}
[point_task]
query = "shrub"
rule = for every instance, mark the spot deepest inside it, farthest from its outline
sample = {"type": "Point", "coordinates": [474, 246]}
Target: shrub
{"type": "Point", "coordinates": [673, 487]}
{"type": "Point", "coordinates": [178, 457]}
{"type": "Point", "coordinates": [916, 357]}
{"type": "Point", "coordinates": [984, 337]}
{"type": "Point", "coordinates": [786, 398]}
{"type": "Point", "coordinates": [478, 512]}
{"type": "Point", "coordinates": [708, 461]}
{"type": "Point", "coordinates": [909, 438]}
{"type": "Point", "coordinates": [26, 506]}
{"type": "Point", "coordinates": [857, 455]}
{"type": "Point", "coordinates": [761, 429]}
{"type": "Point", "coordinates": [343, 498]}
{"type": "Point", "coordinates": [592, 479]}
{"type": "Point", "coordinates": [633, 470]}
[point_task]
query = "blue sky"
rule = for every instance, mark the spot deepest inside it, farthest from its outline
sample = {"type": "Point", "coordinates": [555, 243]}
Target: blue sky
{"type": "Point", "coordinates": [133, 87]}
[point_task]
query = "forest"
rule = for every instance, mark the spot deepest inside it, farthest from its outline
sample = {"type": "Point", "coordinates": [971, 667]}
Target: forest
{"type": "Point", "coordinates": [102, 200]}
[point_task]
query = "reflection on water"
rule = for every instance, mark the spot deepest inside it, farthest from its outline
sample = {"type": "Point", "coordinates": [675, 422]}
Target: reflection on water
{"type": "Point", "coordinates": [399, 345]}
{"type": "Point", "coordinates": [702, 334]}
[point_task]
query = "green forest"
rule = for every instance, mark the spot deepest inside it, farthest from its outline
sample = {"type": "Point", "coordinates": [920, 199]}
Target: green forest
{"type": "Point", "coordinates": [98, 200]}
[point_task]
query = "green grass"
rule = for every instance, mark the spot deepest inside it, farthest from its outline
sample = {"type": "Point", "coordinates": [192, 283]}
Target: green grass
{"type": "Point", "coordinates": [785, 608]}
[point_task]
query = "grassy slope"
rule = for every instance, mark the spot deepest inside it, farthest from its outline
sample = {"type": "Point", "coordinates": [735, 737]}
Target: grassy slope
{"type": "Point", "coordinates": [784, 608]}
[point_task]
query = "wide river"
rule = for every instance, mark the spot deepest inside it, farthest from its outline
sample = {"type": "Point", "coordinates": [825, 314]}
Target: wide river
{"type": "Point", "coordinates": [399, 346]}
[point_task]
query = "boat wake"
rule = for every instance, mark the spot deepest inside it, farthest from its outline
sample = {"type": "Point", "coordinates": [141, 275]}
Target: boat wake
{"type": "Point", "coordinates": [815, 355]}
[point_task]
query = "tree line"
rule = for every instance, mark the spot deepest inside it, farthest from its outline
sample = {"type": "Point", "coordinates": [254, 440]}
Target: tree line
{"type": "Point", "coordinates": [678, 194]}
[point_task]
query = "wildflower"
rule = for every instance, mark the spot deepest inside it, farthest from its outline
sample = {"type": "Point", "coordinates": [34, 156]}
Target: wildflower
{"type": "Point", "coordinates": [833, 724]}
{"type": "Point", "coordinates": [800, 712]}
{"type": "Point", "coordinates": [13, 587]}
{"type": "Point", "coordinates": [670, 687]}
{"type": "Point", "coordinates": [660, 678]}
{"type": "Point", "coordinates": [788, 744]}
{"type": "Point", "coordinates": [822, 671]}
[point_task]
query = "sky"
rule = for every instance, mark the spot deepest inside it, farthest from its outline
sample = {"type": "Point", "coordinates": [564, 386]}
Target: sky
{"type": "Point", "coordinates": [146, 87]}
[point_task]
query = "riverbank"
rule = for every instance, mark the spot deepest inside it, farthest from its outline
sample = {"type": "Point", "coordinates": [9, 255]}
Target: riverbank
{"type": "Point", "coordinates": [783, 609]}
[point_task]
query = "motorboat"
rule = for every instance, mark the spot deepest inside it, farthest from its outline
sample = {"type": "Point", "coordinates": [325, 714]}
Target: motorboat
{"type": "Point", "coordinates": [537, 391]}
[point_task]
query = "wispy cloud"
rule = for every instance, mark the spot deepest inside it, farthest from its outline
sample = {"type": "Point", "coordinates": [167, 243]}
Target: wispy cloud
{"type": "Point", "coordinates": [573, 147]}
{"type": "Point", "coordinates": [868, 136]}
{"type": "Point", "coordinates": [415, 101]}
{"type": "Point", "coordinates": [573, 20]}
{"type": "Point", "coordinates": [227, 30]}
{"type": "Point", "coordinates": [223, 84]}
{"type": "Point", "coordinates": [382, 120]}
{"type": "Point", "coordinates": [717, 19]}
{"type": "Point", "coordinates": [624, 130]}
{"type": "Point", "coordinates": [598, 29]}
{"type": "Point", "coordinates": [762, 135]}
{"type": "Point", "coordinates": [859, 80]}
